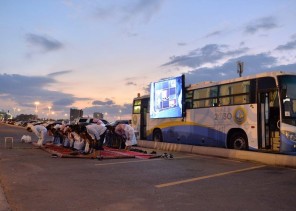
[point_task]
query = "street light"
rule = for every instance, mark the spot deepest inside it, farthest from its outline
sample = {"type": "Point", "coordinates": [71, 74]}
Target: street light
{"type": "Point", "coordinates": [49, 107]}
{"type": "Point", "coordinates": [14, 112]}
{"type": "Point", "coordinates": [36, 104]}
{"type": "Point", "coordinates": [53, 113]}
{"type": "Point", "coordinates": [119, 113]}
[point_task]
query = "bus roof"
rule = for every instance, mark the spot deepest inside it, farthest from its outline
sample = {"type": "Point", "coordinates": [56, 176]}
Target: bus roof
{"type": "Point", "coordinates": [214, 83]}
{"type": "Point", "coordinates": [259, 75]}
{"type": "Point", "coordinates": [142, 97]}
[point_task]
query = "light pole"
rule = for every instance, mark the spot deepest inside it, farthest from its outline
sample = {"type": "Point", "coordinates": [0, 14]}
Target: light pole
{"type": "Point", "coordinates": [14, 112]}
{"type": "Point", "coordinates": [49, 107]}
{"type": "Point", "coordinates": [53, 113]}
{"type": "Point", "coordinates": [120, 114]}
{"type": "Point", "coordinates": [36, 104]}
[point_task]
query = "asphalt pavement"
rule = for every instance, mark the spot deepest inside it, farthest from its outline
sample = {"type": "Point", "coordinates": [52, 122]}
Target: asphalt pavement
{"type": "Point", "coordinates": [32, 180]}
{"type": "Point", "coordinates": [3, 202]}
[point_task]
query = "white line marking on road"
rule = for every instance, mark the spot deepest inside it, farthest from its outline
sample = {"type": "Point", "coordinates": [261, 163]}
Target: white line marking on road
{"type": "Point", "coordinates": [134, 161]}
{"type": "Point", "coordinates": [137, 161]}
{"type": "Point", "coordinates": [206, 177]}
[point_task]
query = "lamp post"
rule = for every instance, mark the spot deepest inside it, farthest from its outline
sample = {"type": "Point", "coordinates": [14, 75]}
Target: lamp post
{"type": "Point", "coordinates": [49, 107]}
{"type": "Point", "coordinates": [120, 114]}
{"type": "Point", "coordinates": [36, 104]}
{"type": "Point", "coordinates": [53, 113]}
{"type": "Point", "coordinates": [14, 112]}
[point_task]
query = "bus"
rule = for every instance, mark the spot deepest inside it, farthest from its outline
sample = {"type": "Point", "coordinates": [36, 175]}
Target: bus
{"type": "Point", "coordinates": [255, 112]}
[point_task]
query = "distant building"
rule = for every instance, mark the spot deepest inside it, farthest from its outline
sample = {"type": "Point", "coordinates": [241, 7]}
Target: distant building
{"type": "Point", "coordinates": [4, 115]}
{"type": "Point", "coordinates": [75, 113]}
{"type": "Point", "coordinates": [26, 117]}
{"type": "Point", "coordinates": [98, 115]}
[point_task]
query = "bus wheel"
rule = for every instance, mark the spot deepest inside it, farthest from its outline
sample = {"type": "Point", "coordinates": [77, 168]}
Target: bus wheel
{"type": "Point", "coordinates": [157, 136]}
{"type": "Point", "coordinates": [239, 141]}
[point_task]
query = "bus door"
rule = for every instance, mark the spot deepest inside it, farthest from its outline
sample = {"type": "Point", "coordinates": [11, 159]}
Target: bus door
{"type": "Point", "coordinates": [268, 116]}
{"type": "Point", "coordinates": [143, 119]}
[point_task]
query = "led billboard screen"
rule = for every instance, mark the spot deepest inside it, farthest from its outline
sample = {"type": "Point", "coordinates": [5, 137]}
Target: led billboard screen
{"type": "Point", "coordinates": [166, 98]}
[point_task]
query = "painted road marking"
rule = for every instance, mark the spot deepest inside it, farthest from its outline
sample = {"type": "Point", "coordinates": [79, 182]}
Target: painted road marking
{"type": "Point", "coordinates": [134, 161]}
{"type": "Point", "coordinates": [142, 160]}
{"type": "Point", "coordinates": [206, 177]}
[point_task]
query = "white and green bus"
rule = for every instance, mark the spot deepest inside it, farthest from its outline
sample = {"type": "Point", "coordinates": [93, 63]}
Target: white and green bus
{"type": "Point", "coordinates": [255, 112]}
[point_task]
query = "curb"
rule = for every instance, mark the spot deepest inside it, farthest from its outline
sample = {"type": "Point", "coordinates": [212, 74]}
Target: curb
{"type": "Point", "coordinates": [260, 157]}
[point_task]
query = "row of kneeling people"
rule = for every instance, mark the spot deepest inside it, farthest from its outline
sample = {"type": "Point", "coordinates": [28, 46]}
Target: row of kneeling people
{"type": "Point", "coordinates": [83, 138]}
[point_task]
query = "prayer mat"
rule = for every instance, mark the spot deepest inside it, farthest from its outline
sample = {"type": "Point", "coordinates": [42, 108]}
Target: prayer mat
{"type": "Point", "coordinates": [139, 155]}
{"type": "Point", "coordinates": [62, 152]}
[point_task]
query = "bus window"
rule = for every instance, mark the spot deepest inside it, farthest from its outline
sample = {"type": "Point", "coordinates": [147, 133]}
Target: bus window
{"type": "Point", "coordinates": [235, 93]}
{"type": "Point", "coordinates": [209, 92]}
{"type": "Point", "coordinates": [205, 103]}
{"type": "Point", "coordinates": [188, 99]}
{"type": "Point", "coordinates": [241, 99]}
{"type": "Point", "coordinates": [206, 97]}
{"type": "Point", "coordinates": [288, 86]}
{"type": "Point", "coordinates": [266, 83]}
{"type": "Point", "coordinates": [235, 88]}
{"type": "Point", "coordinates": [225, 101]}
{"type": "Point", "coordinates": [137, 107]}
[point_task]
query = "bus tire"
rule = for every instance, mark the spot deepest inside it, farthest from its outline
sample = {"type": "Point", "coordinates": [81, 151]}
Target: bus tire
{"type": "Point", "coordinates": [239, 141]}
{"type": "Point", "coordinates": [157, 135]}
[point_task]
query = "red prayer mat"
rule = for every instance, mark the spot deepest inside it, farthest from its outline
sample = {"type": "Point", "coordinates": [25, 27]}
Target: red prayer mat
{"type": "Point", "coordinates": [107, 153]}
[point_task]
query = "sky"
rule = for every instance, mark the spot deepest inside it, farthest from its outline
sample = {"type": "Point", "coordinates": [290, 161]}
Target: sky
{"type": "Point", "coordinates": [97, 55]}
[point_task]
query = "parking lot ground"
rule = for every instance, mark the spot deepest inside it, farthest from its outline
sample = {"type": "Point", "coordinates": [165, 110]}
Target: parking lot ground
{"type": "Point", "coordinates": [32, 180]}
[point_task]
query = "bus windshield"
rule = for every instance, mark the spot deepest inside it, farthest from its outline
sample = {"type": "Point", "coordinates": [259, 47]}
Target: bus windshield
{"type": "Point", "coordinates": [288, 87]}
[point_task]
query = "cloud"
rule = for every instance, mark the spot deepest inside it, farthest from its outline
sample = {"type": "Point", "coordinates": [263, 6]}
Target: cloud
{"type": "Point", "coordinates": [131, 83]}
{"type": "Point", "coordinates": [215, 33]}
{"type": "Point", "coordinates": [140, 11]}
{"type": "Point", "coordinates": [18, 84]}
{"type": "Point", "coordinates": [63, 72]}
{"type": "Point", "coordinates": [253, 64]}
{"type": "Point", "coordinates": [64, 102]}
{"type": "Point", "coordinates": [210, 53]}
{"type": "Point", "coordinates": [288, 46]}
{"type": "Point", "coordinates": [181, 43]}
{"type": "Point", "coordinates": [266, 23]}
{"type": "Point", "coordinates": [103, 103]}
{"type": "Point", "coordinates": [111, 111]}
{"type": "Point", "coordinates": [45, 44]}
{"type": "Point", "coordinates": [27, 89]}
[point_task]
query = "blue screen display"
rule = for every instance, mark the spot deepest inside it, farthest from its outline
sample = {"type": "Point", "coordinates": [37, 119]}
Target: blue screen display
{"type": "Point", "coordinates": [166, 98]}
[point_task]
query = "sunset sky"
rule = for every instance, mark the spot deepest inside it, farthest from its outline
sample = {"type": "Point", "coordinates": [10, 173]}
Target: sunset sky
{"type": "Point", "coordinates": [96, 55]}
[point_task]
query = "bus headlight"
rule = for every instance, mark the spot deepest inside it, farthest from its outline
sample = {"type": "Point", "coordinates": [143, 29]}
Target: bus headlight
{"type": "Point", "coordinates": [291, 136]}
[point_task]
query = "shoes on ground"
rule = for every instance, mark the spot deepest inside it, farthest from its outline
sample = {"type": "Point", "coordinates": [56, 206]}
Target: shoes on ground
{"type": "Point", "coordinates": [100, 158]}
{"type": "Point", "coordinates": [167, 156]}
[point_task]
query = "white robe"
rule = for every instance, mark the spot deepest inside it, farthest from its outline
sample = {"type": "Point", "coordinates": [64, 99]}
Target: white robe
{"type": "Point", "coordinates": [128, 132]}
